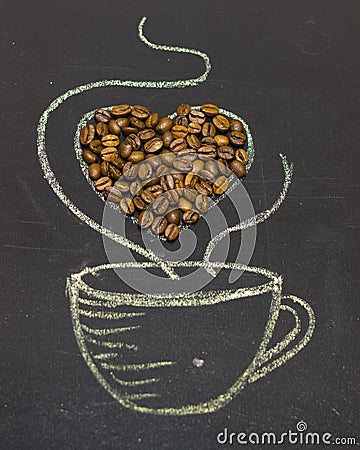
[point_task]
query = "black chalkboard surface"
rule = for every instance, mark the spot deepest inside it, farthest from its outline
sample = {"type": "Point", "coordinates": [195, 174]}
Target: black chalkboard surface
{"type": "Point", "coordinates": [290, 69]}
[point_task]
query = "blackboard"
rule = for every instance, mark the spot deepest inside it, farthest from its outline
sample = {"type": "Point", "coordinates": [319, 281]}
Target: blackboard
{"type": "Point", "coordinates": [291, 70]}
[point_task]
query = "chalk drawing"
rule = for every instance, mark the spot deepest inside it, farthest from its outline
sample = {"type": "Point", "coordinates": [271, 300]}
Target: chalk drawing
{"type": "Point", "coordinates": [100, 317]}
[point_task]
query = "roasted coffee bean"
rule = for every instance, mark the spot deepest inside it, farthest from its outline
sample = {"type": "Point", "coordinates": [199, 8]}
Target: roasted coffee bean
{"type": "Point", "coordinates": [152, 120]}
{"type": "Point", "coordinates": [167, 158]}
{"type": "Point", "coordinates": [96, 146]}
{"type": "Point", "coordinates": [179, 131]}
{"type": "Point", "coordinates": [190, 194]}
{"type": "Point", "coordinates": [127, 206]}
{"type": "Point", "coordinates": [89, 157]}
{"type": "Point", "coordinates": [145, 171]}
{"type": "Point", "coordinates": [221, 123]}
{"type": "Point", "coordinates": [197, 116]}
{"type": "Point", "coordinates": [212, 166]}
{"type": "Point", "coordinates": [154, 160]}
{"type": "Point", "coordinates": [221, 140]}
{"type": "Point", "coordinates": [108, 153]}
{"type": "Point", "coordinates": [242, 155]}
{"type": "Point", "coordinates": [137, 123]}
{"type": "Point", "coordinates": [237, 138]}
{"type": "Point", "coordinates": [102, 129]}
{"type": "Point", "coordinates": [181, 120]}
{"type": "Point", "coordinates": [139, 203]}
{"type": "Point", "coordinates": [117, 162]}
{"type": "Point", "coordinates": [129, 130]}
{"type": "Point", "coordinates": [208, 140]}
{"type": "Point", "coordinates": [145, 219]}
{"type": "Point", "coordinates": [238, 168]}
{"type": "Point", "coordinates": [184, 204]}
{"type": "Point", "coordinates": [165, 124]}
{"type": "Point", "coordinates": [187, 154]}
{"type": "Point", "coordinates": [161, 170]}
{"type": "Point", "coordinates": [207, 151]}
{"type": "Point", "coordinates": [178, 176]}
{"type": "Point", "coordinates": [87, 134]}
{"type": "Point", "coordinates": [236, 125]}
{"type": "Point", "coordinates": [179, 186]}
{"type": "Point", "coordinates": [173, 197]}
{"type": "Point", "coordinates": [105, 169]}
{"type": "Point", "coordinates": [197, 166]}
{"type": "Point", "coordinates": [159, 225]}
{"type": "Point", "coordinates": [154, 145]}
{"type": "Point", "coordinates": [146, 134]}
{"type": "Point", "coordinates": [115, 173]}
{"type": "Point", "coordinates": [94, 171]}
{"type": "Point", "coordinates": [183, 109]}
{"type": "Point", "coordinates": [134, 141]}
{"type": "Point", "coordinates": [224, 167]}
{"type": "Point", "coordinates": [167, 138]}
{"type": "Point", "coordinates": [102, 115]}
{"type": "Point", "coordinates": [125, 149]}
{"type": "Point", "coordinates": [114, 127]}
{"type": "Point", "coordinates": [110, 140]}
{"type": "Point", "coordinates": [207, 175]}
{"type": "Point", "coordinates": [193, 141]}
{"type": "Point", "coordinates": [194, 128]}
{"type": "Point", "coordinates": [140, 112]}
{"type": "Point", "coordinates": [147, 196]}
{"type": "Point", "coordinates": [209, 109]}
{"type": "Point", "coordinates": [208, 130]}
{"type": "Point", "coordinates": [102, 183]}
{"type": "Point", "coordinates": [167, 182]}
{"type": "Point", "coordinates": [136, 157]}
{"type": "Point", "coordinates": [190, 180]}
{"type": "Point", "coordinates": [135, 188]}
{"type": "Point", "coordinates": [130, 171]}
{"type": "Point", "coordinates": [171, 232]}
{"type": "Point", "coordinates": [160, 205]}
{"type": "Point", "coordinates": [190, 216]}
{"type": "Point", "coordinates": [122, 122]}
{"type": "Point", "coordinates": [156, 189]}
{"type": "Point", "coordinates": [121, 110]}
{"type": "Point", "coordinates": [220, 185]}
{"type": "Point", "coordinates": [173, 216]}
{"type": "Point", "coordinates": [204, 187]}
{"type": "Point", "coordinates": [226, 152]}
{"type": "Point", "coordinates": [202, 203]}
{"type": "Point", "coordinates": [122, 186]}
{"type": "Point", "coordinates": [181, 165]}
{"type": "Point", "coordinates": [114, 194]}
{"type": "Point", "coordinates": [178, 144]}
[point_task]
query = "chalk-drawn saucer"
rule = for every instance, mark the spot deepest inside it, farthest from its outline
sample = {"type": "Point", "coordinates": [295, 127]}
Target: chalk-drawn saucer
{"type": "Point", "coordinates": [140, 347]}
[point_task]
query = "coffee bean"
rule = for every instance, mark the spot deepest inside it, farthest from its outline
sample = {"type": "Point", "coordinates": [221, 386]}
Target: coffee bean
{"type": "Point", "coordinates": [209, 109]}
{"type": "Point", "coordinates": [207, 175]}
{"type": "Point", "coordinates": [208, 140]}
{"type": "Point", "coordinates": [238, 168]}
{"type": "Point", "coordinates": [122, 122]}
{"type": "Point", "coordinates": [190, 216]}
{"type": "Point", "coordinates": [110, 140]}
{"type": "Point", "coordinates": [139, 203]}
{"type": "Point", "coordinates": [181, 120]}
{"type": "Point", "coordinates": [102, 115]}
{"type": "Point", "coordinates": [202, 203]}
{"type": "Point", "coordinates": [160, 205]}
{"type": "Point", "coordinates": [117, 162]}
{"type": "Point", "coordinates": [220, 185]}
{"type": "Point", "coordinates": [145, 171]}
{"type": "Point", "coordinates": [197, 166]}
{"type": "Point", "coordinates": [89, 157]}
{"type": "Point", "coordinates": [147, 196]}
{"type": "Point", "coordinates": [179, 131]}
{"type": "Point", "coordinates": [96, 146]}
{"type": "Point", "coordinates": [140, 112]}
{"type": "Point", "coordinates": [208, 130]}
{"type": "Point", "coordinates": [152, 120]}
{"type": "Point", "coordinates": [178, 144]}
{"type": "Point", "coordinates": [193, 141]}
{"type": "Point", "coordinates": [207, 151]}
{"type": "Point", "coordinates": [114, 127]}
{"type": "Point", "coordinates": [183, 109]}
{"type": "Point", "coordinates": [134, 141]}
{"type": "Point", "coordinates": [155, 189]}
{"type": "Point", "coordinates": [173, 216]}
{"type": "Point", "coordinates": [194, 128]}
{"type": "Point", "coordinates": [204, 187]}
{"type": "Point", "coordinates": [178, 176]}
{"type": "Point", "coordinates": [221, 140]}
{"type": "Point", "coordinates": [94, 171]}
{"type": "Point", "coordinates": [236, 125]}
{"type": "Point", "coordinates": [173, 197]}
{"type": "Point", "coordinates": [87, 134]}
{"type": "Point", "coordinates": [190, 194]}
{"type": "Point", "coordinates": [105, 169]}
{"type": "Point", "coordinates": [154, 160]}
{"type": "Point", "coordinates": [184, 204]}
{"type": "Point", "coordinates": [114, 194]}
{"type": "Point", "coordinates": [197, 116]}
{"type": "Point", "coordinates": [242, 155]}
{"type": "Point", "coordinates": [127, 206]}
{"type": "Point", "coordinates": [161, 170]}
{"type": "Point", "coordinates": [237, 138]}
{"type": "Point", "coordinates": [115, 173]}
{"type": "Point", "coordinates": [165, 124]}
{"type": "Point", "coordinates": [145, 219]}
{"type": "Point", "coordinates": [167, 182]}
{"type": "Point", "coordinates": [212, 167]}
{"type": "Point", "coordinates": [146, 134]}
{"type": "Point", "coordinates": [226, 152]}
{"type": "Point", "coordinates": [181, 165]}
{"type": "Point", "coordinates": [102, 129]}
{"type": "Point", "coordinates": [167, 158]}
{"type": "Point", "coordinates": [122, 186]}
{"type": "Point", "coordinates": [159, 225]}
{"type": "Point", "coordinates": [102, 183]}
{"type": "Point", "coordinates": [121, 110]}
{"type": "Point", "coordinates": [129, 130]}
{"type": "Point", "coordinates": [221, 123]}
{"type": "Point", "coordinates": [154, 145]}
{"type": "Point", "coordinates": [130, 170]}
{"type": "Point", "coordinates": [125, 149]}
{"type": "Point", "coordinates": [224, 167]}
{"type": "Point", "coordinates": [108, 153]}
{"type": "Point", "coordinates": [137, 123]}
{"type": "Point", "coordinates": [167, 138]}
{"type": "Point", "coordinates": [190, 180]}
{"type": "Point", "coordinates": [135, 188]}
{"type": "Point", "coordinates": [136, 157]}
{"type": "Point", "coordinates": [171, 232]}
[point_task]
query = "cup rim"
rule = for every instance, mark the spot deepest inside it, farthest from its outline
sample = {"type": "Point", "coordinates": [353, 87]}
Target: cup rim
{"type": "Point", "coordinates": [174, 299]}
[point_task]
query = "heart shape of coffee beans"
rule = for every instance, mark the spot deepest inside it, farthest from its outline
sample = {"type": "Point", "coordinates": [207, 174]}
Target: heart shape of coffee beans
{"type": "Point", "coordinates": [162, 171]}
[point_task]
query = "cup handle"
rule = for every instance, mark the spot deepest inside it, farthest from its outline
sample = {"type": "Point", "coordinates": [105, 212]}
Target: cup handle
{"type": "Point", "coordinates": [272, 353]}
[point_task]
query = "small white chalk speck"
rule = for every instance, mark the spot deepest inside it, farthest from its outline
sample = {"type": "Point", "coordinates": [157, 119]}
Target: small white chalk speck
{"type": "Point", "coordinates": [168, 59]}
{"type": "Point", "coordinates": [13, 43]}
{"type": "Point", "coordinates": [50, 82]}
{"type": "Point", "coordinates": [197, 362]}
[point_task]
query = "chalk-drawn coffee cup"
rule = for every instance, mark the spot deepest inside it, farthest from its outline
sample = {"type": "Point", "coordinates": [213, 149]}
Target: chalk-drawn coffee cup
{"type": "Point", "coordinates": [141, 347]}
